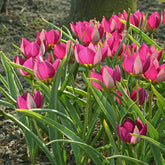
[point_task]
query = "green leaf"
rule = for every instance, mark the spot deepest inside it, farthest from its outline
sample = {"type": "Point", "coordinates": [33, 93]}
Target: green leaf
{"type": "Point", "coordinates": [104, 105]}
{"type": "Point", "coordinates": [128, 158]}
{"type": "Point", "coordinates": [152, 141]}
{"type": "Point", "coordinates": [4, 82]}
{"type": "Point", "coordinates": [64, 130]}
{"type": "Point", "coordinates": [10, 77]}
{"type": "Point", "coordinates": [8, 97]}
{"type": "Point", "coordinates": [31, 135]}
{"type": "Point", "coordinates": [23, 68]}
{"type": "Point", "coordinates": [7, 104]}
{"type": "Point", "coordinates": [160, 101]}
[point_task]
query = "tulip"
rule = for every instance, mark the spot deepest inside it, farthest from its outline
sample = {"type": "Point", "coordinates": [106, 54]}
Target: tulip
{"type": "Point", "coordinates": [113, 44]}
{"type": "Point", "coordinates": [52, 37]}
{"type": "Point", "coordinates": [87, 32]}
{"type": "Point", "coordinates": [142, 95]}
{"type": "Point", "coordinates": [136, 64]}
{"type": "Point", "coordinates": [136, 19]}
{"type": "Point", "coordinates": [30, 49]}
{"type": "Point", "coordinates": [113, 24]}
{"type": "Point", "coordinates": [60, 50]}
{"type": "Point", "coordinates": [90, 55]}
{"type": "Point", "coordinates": [107, 76]}
{"type": "Point", "coordinates": [45, 71]}
{"type": "Point", "coordinates": [27, 101]}
{"type": "Point", "coordinates": [152, 51]}
{"type": "Point", "coordinates": [153, 22]}
{"type": "Point", "coordinates": [156, 72]}
{"type": "Point", "coordinates": [133, 95]}
{"type": "Point", "coordinates": [29, 63]}
{"type": "Point", "coordinates": [128, 127]}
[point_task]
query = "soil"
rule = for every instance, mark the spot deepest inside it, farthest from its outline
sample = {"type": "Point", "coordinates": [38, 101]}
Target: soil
{"type": "Point", "coordinates": [23, 19]}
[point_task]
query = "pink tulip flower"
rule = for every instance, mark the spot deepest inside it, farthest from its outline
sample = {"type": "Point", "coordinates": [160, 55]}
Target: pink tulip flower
{"type": "Point", "coordinates": [91, 55]}
{"type": "Point", "coordinates": [52, 37]}
{"type": "Point", "coordinates": [142, 95]}
{"type": "Point", "coordinates": [156, 72]}
{"type": "Point", "coordinates": [130, 126]}
{"type": "Point", "coordinates": [133, 96]}
{"type": "Point", "coordinates": [60, 50]}
{"type": "Point", "coordinates": [113, 24]}
{"type": "Point", "coordinates": [29, 63]}
{"type": "Point", "coordinates": [153, 22]}
{"type": "Point", "coordinates": [107, 76]}
{"type": "Point", "coordinates": [152, 51]}
{"type": "Point", "coordinates": [136, 19]}
{"type": "Point", "coordinates": [113, 44]}
{"type": "Point", "coordinates": [27, 101]}
{"type": "Point", "coordinates": [30, 49]}
{"type": "Point", "coordinates": [136, 64]}
{"type": "Point", "coordinates": [87, 32]}
{"type": "Point", "coordinates": [45, 71]}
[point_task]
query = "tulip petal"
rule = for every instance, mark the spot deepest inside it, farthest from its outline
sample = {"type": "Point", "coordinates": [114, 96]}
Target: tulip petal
{"type": "Point", "coordinates": [129, 125]}
{"type": "Point", "coordinates": [107, 79]}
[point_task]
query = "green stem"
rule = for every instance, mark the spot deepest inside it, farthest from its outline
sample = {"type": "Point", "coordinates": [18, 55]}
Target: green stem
{"type": "Point", "coordinates": [37, 130]}
{"type": "Point", "coordinates": [88, 112]}
{"type": "Point", "coordinates": [52, 57]}
{"type": "Point", "coordinates": [135, 154]}
{"type": "Point", "coordinates": [150, 105]}
{"type": "Point", "coordinates": [137, 92]}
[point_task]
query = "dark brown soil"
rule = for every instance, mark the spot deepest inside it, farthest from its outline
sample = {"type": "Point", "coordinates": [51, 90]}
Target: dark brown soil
{"type": "Point", "coordinates": [24, 20]}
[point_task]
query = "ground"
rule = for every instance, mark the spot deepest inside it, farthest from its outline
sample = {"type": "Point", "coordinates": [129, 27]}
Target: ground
{"type": "Point", "coordinates": [24, 20]}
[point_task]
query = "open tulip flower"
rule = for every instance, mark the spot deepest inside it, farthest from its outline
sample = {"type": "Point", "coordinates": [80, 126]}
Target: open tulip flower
{"type": "Point", "coordinates": [136, 64]}
{"type": "Point", "coordinates": [107, 76]}
{"type": "Point", "coordinates": [153, 22]}
{"type": "Point", "coordinates": [30, 49]}
{"type": "Point", "coordinates": [29, 63]}
{"type": "Point", "coordinates": [113, 44]}
{"type": "Point", "coordinates": [87, 32]}
{"type": "Point", "coordinates": [113, 24]}
{"type": "Point", "coordinates": [61, 49]}
{"type": "Point", "coordinates": [130, 126]}
{"type": "Point", "coordinates": [91, 55]}
{"type": "Point", "coordinates": [45, 71]}
{"type": "Point", "coordinates": [27, 101]}
{"type": "Point", "coordinates": [156, 72]}
{"type": "Point", "coordinates": [152, 51]}
{"type": "Point", "coordinates": [133, 96]}
{"type": "Point", "coordinates": [136, 19]}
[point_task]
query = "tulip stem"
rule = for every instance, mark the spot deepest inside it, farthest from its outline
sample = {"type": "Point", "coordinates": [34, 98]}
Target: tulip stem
{"type": "Point", "coordinates": [88, 112]}
{"type": "Point", "coordinates": [137, 92]}
{"type": "Point", "coordinates": [135, 154]}
{"type": "Point", "coordinates": [51, 54]}
{"type": "Point", "coordinates": [150, 105]}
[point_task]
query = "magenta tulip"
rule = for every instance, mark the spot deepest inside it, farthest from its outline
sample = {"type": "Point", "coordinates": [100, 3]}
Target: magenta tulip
{"type": "Point", "coordinates": [153, 22]}
{"type": "Point", "coordinates": [128, 127]}
{"type": "Point", "coordinates": [45, 71]}
{"type": "Point", "coordinates": [87, 32]}
{"type": "Point", "coordinates": [113, 24]}
{"type": "Point", "coordinates": [156, 72]}
{"type": "Point", "coordinates": [113, 44]}
{"type": "Point", "coordinates": [136, 19]}
{"type": "Point", "coordinates": [29, 63]}
{"type": "Point", "coordinates": [52, 37]}
{"type": "Point", "coordinates": [107, 76]}
{"type": "Point", "coordinates": [136, 64]}
{"type": "Point", "coordinates": [30, 49]}
{"type": "Point", "coordinates": [91, 55]}
{"type": "Point", "coordinates": [142, 95]}
{"type": "Point", "coordinates": [27, 101]}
